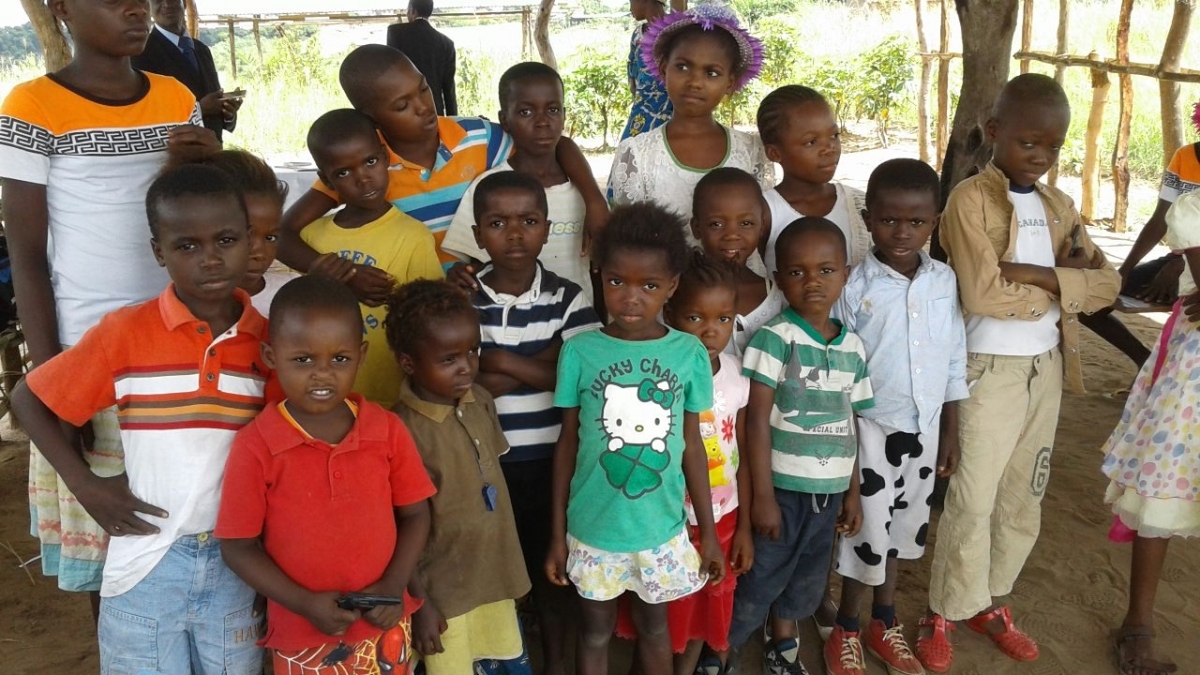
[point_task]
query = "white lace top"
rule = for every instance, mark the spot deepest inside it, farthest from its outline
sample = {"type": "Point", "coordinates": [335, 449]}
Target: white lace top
{"type": "Point", "coordinates": [744, 327]}
{"type": "Point", "coordinates": [645, 169]}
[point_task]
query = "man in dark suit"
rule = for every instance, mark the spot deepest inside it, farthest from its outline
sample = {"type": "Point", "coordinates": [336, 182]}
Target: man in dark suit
{"type": "Point", "coordinates": [170, 51]}
{"type": "Point", "coordinates": [430, 51]}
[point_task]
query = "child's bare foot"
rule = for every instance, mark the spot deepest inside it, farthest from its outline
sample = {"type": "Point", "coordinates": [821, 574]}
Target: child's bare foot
{"type": "Point", "coordinates": [1135, 652]}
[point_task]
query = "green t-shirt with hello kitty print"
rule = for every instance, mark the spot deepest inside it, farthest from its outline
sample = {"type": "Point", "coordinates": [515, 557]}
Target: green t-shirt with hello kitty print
{"type": "Point", "coordinates": [628, 488]}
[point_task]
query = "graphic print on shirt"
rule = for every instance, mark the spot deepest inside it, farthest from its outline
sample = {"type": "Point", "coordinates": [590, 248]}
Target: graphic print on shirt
{"type": "Point", "coordinates": [637, 421]}
{"type": "Point", "coordinates": [716, 425]}
{"type": "Point", "coordinates": [808, 403]}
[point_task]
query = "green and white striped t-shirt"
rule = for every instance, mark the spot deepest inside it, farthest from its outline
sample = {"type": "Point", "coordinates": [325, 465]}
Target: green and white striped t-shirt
{"type": "Point", "coordinates": [818, 387]}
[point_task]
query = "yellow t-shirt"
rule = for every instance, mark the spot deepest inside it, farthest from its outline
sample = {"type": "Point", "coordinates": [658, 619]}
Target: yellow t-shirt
{"type": "Point", "coordinates": [398, 245]}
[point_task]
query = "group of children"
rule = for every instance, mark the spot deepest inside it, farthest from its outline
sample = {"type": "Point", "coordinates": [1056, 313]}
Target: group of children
{"type": "Point", "coordinates": [670, 444]}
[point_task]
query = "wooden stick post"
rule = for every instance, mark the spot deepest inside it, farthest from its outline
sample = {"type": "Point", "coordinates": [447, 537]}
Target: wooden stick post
{"type": "Point", "coordinates": [1026, 32]}
{"type": "Point", "coordinates": [1120, 158]}
{"type": "Point", "coordinates": [1168, 91]}
{"type": "Point", "coordinates": [1091, 144]}
{"type": "Point", "coordinates": [258, 40]}
{"type": "Point", "coordinates": [923, 94]}
{"type": "Point", "coordinates": [943, 110]}
{"type": "Point", "coordinates": [1060, 70]}
{"type": "Point", "coordinates": [232, 50]}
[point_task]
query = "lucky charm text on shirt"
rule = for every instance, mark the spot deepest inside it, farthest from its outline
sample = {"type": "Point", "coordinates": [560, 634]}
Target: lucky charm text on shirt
{"type": "Point", "coordinates": [649, 367]}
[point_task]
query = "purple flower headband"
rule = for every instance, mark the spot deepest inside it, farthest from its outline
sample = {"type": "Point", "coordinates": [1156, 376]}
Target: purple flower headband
{"type": "Point", "coordinates": [1196, 116]}
{"type": "Point", "coordinates": [709, 16]}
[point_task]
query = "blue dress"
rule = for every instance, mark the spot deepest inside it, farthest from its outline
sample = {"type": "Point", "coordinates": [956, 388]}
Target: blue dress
{"type": "Point", "coordinates": [651, 108]}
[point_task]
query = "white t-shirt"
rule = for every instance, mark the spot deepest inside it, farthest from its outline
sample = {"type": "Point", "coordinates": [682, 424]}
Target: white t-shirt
{"type": "Point", "coordinates": [746, 326]}
{"type": "Point", "coordinates": [560, 255]}
{"type": "Point", "coordinates": [276, 276]}
{"type": "Point", "coordinates": [1183, 233]}
{"type": "Point", "coordinates": [987, 335]}
{"type": "Point", "coordinates": [845, 214]}
{"type": "Point", "coordinates": [718, 431]}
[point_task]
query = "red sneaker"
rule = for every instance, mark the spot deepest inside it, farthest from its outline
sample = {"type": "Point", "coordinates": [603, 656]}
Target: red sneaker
{"type": "Point", "coordinates": [1015, 644]}
{"type": "Point", "coordinates": [888, 645]}
{"type": "Point", "coordinates": [843, 653]}
{"type": "Point", "coordinates": [935, 651]}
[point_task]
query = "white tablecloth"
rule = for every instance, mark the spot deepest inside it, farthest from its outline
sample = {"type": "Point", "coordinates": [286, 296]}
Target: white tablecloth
{"type": "Point", "coordinates": [298, 178]}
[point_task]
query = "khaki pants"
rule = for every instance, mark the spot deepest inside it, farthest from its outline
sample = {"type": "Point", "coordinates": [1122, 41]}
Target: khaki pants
{"type": "Point", "coordinates": [993, 505]}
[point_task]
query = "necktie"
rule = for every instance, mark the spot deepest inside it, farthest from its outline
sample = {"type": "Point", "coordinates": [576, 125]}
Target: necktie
{"type": "Point", "coordinates": [189, 51]}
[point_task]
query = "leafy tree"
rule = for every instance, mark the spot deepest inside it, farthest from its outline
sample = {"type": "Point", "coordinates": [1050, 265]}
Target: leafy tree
{"type": "Point", "coordinates": [597, 90]}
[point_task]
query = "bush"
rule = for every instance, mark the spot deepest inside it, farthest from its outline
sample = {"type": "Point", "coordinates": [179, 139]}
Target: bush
{"type": "Point", "coordinates": [597, 92]}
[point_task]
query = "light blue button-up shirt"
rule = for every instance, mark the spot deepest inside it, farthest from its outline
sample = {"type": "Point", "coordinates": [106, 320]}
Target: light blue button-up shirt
{"type": "Point", "coordinates": [915, 340]}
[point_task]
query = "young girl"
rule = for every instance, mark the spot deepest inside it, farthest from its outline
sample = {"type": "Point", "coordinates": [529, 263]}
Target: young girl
{"type": "Point", "coordinates": [800, 133]}
{"type": "Point", "coordinates": [705, 306]}
{"type": "Point", "coordinates": [265, 195]}
{"type": "Point", "coordinates": [701, 55]}
{"type": "Point", "coordinates": [80, 148]}
{"type": "Point", "coordinates": [632, 393]}
{"type": "Point", "coordinates": [472, 570]}
{"type": "Point", "coordinates": [1152, 462]}
{"type": "Point", "coordinates": [728, 219]}
{"type": "Point", "coordinates": [650, 107]}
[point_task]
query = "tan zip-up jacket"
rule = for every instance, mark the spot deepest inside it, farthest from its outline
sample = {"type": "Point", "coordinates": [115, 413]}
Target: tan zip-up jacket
{"type": "Point", "coordinates": [979, 230]}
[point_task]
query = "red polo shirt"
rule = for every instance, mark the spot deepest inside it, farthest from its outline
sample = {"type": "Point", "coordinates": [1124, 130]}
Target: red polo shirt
{"type": "Point", "coordinates": [324, 513]}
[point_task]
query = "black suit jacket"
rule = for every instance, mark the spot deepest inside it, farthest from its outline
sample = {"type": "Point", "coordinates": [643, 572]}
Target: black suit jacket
{"type": "Point", "coordinates": [164, 58]}
{"type": "Point", "coordinates": [433, 54]}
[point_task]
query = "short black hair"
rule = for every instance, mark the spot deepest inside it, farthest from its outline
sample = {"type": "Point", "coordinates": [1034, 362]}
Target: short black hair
{"type": "Point", "coordinates": [772, 112]}
{"type": "Point", "coordinates": [412, 306]}
{"type": "Point", "coordinates": [807, 225]}
{"type": "Point", "coordinates": [902, 173]}
{"type": "Point", "coordinates": [1030, 89]}
{"type": "Point", "coordinates": [422, 8]}
{"type": "Point", "coordinates": [190, 180]}
{"type": "Point", "coordinates": [314, 293]}
{"type": "Point", "coordinates": [338, 126]}
{"type": "Point", "coordinates": [361, 68]}
{"type": "Point", "coordinates": [729, 45]}
{"type": "Point", "coordinates": [253, 175]}
{"type": "Point", "coordinates": [723, 177]}
{"type": "Point", "coordinates": [703, 272]}
{"type": "Point", "coordinates": [508, 180]}
{"type": "Point", "coordinates": [643, 226]}
{"type": "Point", "coordinates": [521, 72]}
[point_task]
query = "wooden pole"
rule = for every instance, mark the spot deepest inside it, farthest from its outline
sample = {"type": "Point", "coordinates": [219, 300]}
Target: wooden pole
{"type": "Point", "coordinates": [1026, 31]}
{"type": "Point", "coordinates": [943, 85]}
{"type": "Point", "coordinates": [1091, 145]}
{"type": "Point", "coordinates": [193, 18]}
{"type": "Point", "coordinates": [1120, 157]}
{"type": "Point", "coordinates": [525, 39]}
{"type": "Point", "coordinates": [1060, 70]}
{"type": "Point", "coordinates": [1168, 91]}
{"type": "Point", "coordinates": [541, 34]}
{"type": "Point", "coordinates": [56, 52]}
{"type": "Point", "coordinates": [232, 50]}
{"type": "Point", "coordinates": [258, 41]}
{"type": "Point", "coordinates": [923, 95]}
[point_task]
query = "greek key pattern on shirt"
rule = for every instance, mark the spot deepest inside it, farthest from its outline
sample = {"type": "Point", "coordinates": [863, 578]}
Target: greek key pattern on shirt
{"type": "Point", "coordinates": [113, 142]}
{"type": "Point", "coordinates": [22, 135]}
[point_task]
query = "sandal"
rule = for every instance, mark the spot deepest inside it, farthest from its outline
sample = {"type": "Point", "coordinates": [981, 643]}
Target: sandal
{"type": "Point", "coordinates": [935, 651]}
{"type": "Point", "coordinates": [1137, 664]}
{"type": "Point", "coordinates": [1014, 643]}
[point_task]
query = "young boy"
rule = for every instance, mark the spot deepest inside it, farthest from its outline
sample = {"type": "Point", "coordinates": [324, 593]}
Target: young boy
{"type": "Point", "coordinates": [186, 374]}
{"type": "Point", "coordinates": [472, 570]}
{"type": "Point", "coordinates": [526, 312]}
{"type": "Point", "coordinates": [531, 111]}
{"type": "Point", "coordinates": [904, 307]}
{"type": "Point", "coordinates": [433, 160]}
{"type": "Point", "coordinates": [368, 230]}
{"type": "Point", "coordinates": [325, 493]}
{"type": "Point", "coordinates": [808, 379]}
{"type": "Point", "coordinates": [1025, 267]}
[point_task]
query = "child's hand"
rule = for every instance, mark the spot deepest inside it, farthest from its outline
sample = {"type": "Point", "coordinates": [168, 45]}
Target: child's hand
{"type": "Point", "coordinates": [948, 453]}
{"type": "Point", "coordinates": [332, 266]}
{"type": "Point", "coordinates": [493, 360]}
{"type": "Point", "coordinates": [1076, 259]}
{"type": "Point", "coordinates": [111, 503]}
{"type": "Point", "coordinates": [428, 624]}
{"type": "Point", "coordinates": [741, 554]}
{"type": "Point", "coordinates": [1013, 272]}
{"type": "Point", "coordinates": [189, 143]}
{"type": "Point", "coordinates": [371, 284]}
{"type": "Point", "coordinates": [594, 222]}
{"type": "Point", "coordinates": [463, 276]}
{"type": "Point", "coordinates": [556, 563]}
{"type": "Point", "coordinates": [383, 617]}
{"type": "Point", "coordinates": [322, 611]}
{"type": "Point", "coordinates": [850, 519]}
{"type": "Point", "coordinates": [764, 515]}
{"type": "Point", "coordinates": [712, 561]}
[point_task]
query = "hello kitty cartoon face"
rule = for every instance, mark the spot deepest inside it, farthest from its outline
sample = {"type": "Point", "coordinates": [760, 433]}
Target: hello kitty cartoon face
{"type": "Point", "coordinates": [638, 415]}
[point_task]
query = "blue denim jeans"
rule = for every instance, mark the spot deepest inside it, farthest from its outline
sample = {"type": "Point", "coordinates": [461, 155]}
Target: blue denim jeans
{"type": "Point", "coordinates": [789, 573]}
{"type": "Point", "coordinates": [191, 614]}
